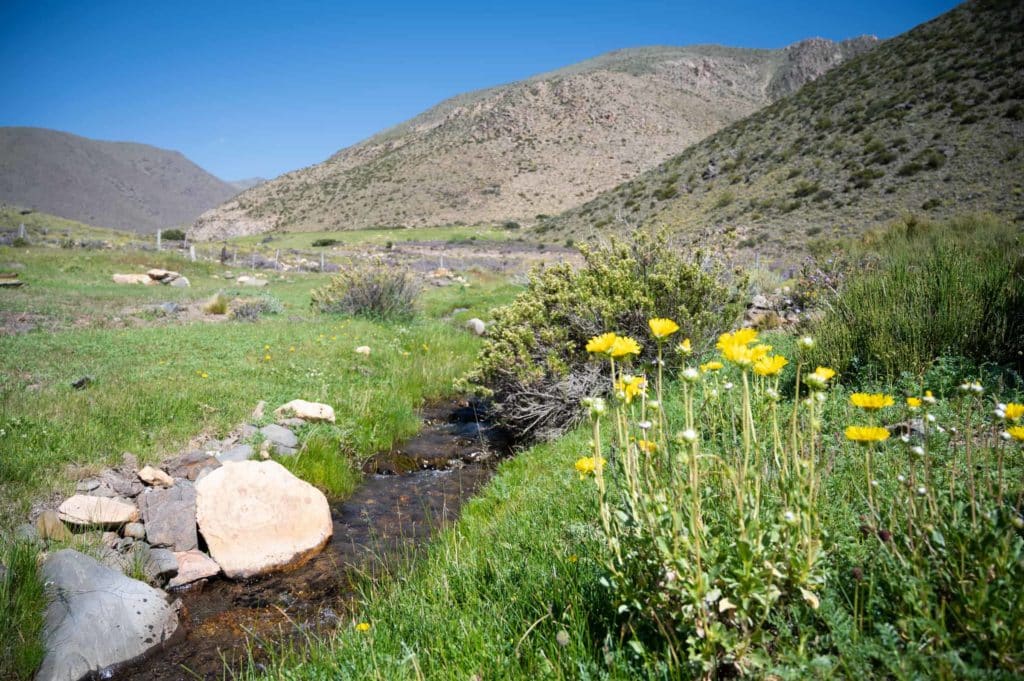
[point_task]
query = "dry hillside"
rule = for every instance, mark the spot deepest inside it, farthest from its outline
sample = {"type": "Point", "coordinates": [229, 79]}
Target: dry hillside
{"type": "Point", "coordinates": [114, 184]}
{"type": "Point", "coordinates": [535, 147]}
{"type": "Point", "coordinates": [931, 122]}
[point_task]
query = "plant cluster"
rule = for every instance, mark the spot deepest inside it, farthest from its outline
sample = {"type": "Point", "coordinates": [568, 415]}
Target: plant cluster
{"type": "Point", "coordinates": [372, 290]}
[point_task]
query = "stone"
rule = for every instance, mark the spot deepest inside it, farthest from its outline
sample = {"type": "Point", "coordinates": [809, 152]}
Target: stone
{"type": "Point", "coordinates": [49, 526]}
{"type": "Point", "coordinates": [96, 617]}
{"type": "Point", "coordinates": [155, 477]}
{"type": "Point", "coordinates": [760, 302]}
{"type": "Point", "coordinates": [256, 517]}
{"type": "Point", "coordinates": [236, 453]}
{"type": "Point", "coordinates": [476, 326]}
{"type": "Point", "coordinates": [169, 308]}
{"type": "Point", "coordinates": [189, 465]}
{"type": "Point", "coordinates": [281, 450]}
{"type": "Point", "coordinates": [135, 531]}
{"type": "Point", "coordinates": [28, 532]}
{"type": "Point", "coordinates": [257, 412]}
{"type": "Point", "coordinates": [307, 411]}
{"type": "Point", "coordinates": [97, 511]}
{"type": "Point", "coordinates": [126, 485]}
{"type": "Point", "coordinates": [279, 435]}
{"type": "Point", "coordinates": [291, 423]}
{"type": "Point", "coordinates": [192, 566]}
{"type": "Point", "coordinates": [160, 565]}
{"type": "Point", "coordinates": [170, 516]}
{"type": "Point", "coordinates": [363, 350]}
{"type": "Point", "coordinates": [246, 280]}
{"type": "Point", "coordinates": [89, 485]}
{"type": "Point", "coordinates": [181, 282]}
{"type": "Point", "coordinates": [162, 275]}
{"type": "Point", "coordinates": [247, 430]}
{"type": "Point", "coordinates": [132, 279]}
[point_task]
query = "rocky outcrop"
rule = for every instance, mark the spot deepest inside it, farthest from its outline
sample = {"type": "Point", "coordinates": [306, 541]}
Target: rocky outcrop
{"type": "Point", "coordinates": [169, 516]}
{"type": "Point", "coordinates": [256, 517]}
{"type": "Point", "coordinates": [96, 617]}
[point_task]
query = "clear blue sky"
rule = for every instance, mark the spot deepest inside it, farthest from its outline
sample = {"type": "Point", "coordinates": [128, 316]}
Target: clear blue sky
{"type": "Point", "coordinates": [258, 88]}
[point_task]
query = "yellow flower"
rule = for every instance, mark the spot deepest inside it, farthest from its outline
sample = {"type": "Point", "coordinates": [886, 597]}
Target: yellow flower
{"type": "Point", "coordinates": [819, 378]}
{"type": "Point", "coordinates": [735, 347]}
{"type": "Point", "coordinates": [1014, 411]}
{"type": "Point", "coordinates": [266, 347]}
{"type": "Point", "coordinates": [204, 375]}
{"type": "Point", "coordinates": [871, 402]}
{"type": "Point", "coordinates": [363, 627]}
{"type": "Point", "coordinates": [770, 365]}
{"type": "Point", "coordinates": [646, 446]}
{"type": "Point", "coordinates": [291, 349]}
{"type": "Point", "coordinates": [713, 365]}
{"type": "Point", "coordinates": [866, 434]}
{"type": "Point", "coordinates": [825, 373]}
{"type": "Point", "coordinates": [662, 328]}
{"type": "Point", "coordinates": [630, 386]}
{"type": "Point", "coordinates": [914, 402]}
{"type": "Point", "coordinates": [685, 348]}
{"type": "Point", "coordinates": [266, 358]}
{"type": "Point", "coordinates": [622, 346]}
{"type": "Point", "coordinates": [588, 465]}
{"type": "Point", "coordinates": [600, 345]}
{"type": "Point", "coordinates": [1017, 432]}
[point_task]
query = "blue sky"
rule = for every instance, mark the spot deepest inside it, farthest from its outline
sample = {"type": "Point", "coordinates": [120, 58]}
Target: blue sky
{"type": "Point", "coordinates": [256, 88]}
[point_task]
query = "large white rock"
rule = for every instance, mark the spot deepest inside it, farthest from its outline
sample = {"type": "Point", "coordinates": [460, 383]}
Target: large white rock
{"type": "Point", "coordinates": [256, 517]}
{"type": "Point", "coordinates": [307, 411]}
{"type": "Point", "coordinates": [133, 279]}
{"type": "Point", "coordinates": [101, 511]}
{"type": "Point", "coordinates": [96, 617]}
{"type": "Point", "coordinates": [476, 326]}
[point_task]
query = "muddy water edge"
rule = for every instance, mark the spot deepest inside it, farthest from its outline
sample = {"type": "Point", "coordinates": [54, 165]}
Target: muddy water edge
{"type": "Point", "coordinates": [407, 495]}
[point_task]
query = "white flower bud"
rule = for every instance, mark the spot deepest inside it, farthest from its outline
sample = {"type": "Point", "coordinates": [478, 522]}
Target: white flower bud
{"type": "Point", "coordinates": [772, 394]}
{"type": "Point", "coordinates": [653, 405]}
{"type": "Point", "coordinates": [905, 439]}
{"type": "Point", "coordinates": [874, 483]}
{"type": "Point", "coordinates": [921, 491]}
{"type": "Point", "coordinates": [691, 375]}
{"type": "Point", "coordinates": [1005, 435]}
{"type": "Point", "coordinates": [789, 517]}
{"type": "Point", "coordinates": [644, 425]}
{"type": "Point", "coordinates": [930, 418]}
{"type": "Point", "coordinates": [805, 343]}
{"type": "Point", "coordinates": [728, 386]}
{"type": "Point", "coordinates": [900, 478]}
{"type": "Point", "coordinates": [999, 414]}
{"type": "Point", "coordinates": [917, 450]}
{"type": "Point", "coordinates": [689, 435]}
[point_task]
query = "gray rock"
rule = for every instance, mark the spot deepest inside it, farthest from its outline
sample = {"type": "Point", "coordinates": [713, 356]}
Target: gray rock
{"type": "Point", "coordinates": [169, 308]}
{"type": "Point", "coordinates": [188, 465]}
{"type": "Point", "coordinates": [170, 516]}
{"type": "Point", "coordinates": [135, 530]}
{"type": "Point", "coordinates": [476, 326]}
{"type": "Point", "coordinates": [160, 566]}
{"type": "Point", "coordinates": [96, 617]}
{"type": "Point", "coordinates": [281, 450]}
{"type": "Point", "coordinates": [86, 486]}
{"type": "Point", "coordinates": [279, 435]}
{"type": "Point", "coordinates": [27, 531]}
{"type": "Point", "coordinates": [291, 422]}
{"type": "Point", "coordinates": [236, 453]}
{"type": "Point", "coordinates": [124, 544]}
{"type": "Point", "coordinates": [206, 471]}
{"type": "Point", "coordinates": [180, 282]}
{"type": "Point", "coordinates": [760, 302]}
{"type": "Point", "coordinates": [246, 431]}
{"type": "Point", "coordinates": [126, 485]}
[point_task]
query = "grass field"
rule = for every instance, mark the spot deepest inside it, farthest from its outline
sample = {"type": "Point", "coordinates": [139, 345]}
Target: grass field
{"type": "Point", "coordinates": [378, 237]}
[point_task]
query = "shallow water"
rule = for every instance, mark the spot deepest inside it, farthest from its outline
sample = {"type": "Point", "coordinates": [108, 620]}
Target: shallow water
{"type": "Point", "coordinates": [406, 496]}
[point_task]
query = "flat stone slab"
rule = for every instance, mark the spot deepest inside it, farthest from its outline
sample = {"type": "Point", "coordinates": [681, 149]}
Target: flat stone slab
{"type": "Point", "coordinates": [96, 617]}
{"type": "Point", "coordinates": [236, 454]}
{"type": "Point", "coordinates": [192, 566]}
{"type": "Point", "coordinates": [97, 511]}
{"type": "Point", "coordinates": [307, 411]}
{"type": "Point", "coordinates": [280, 435]}
{"type": "Point", "coordinates": [256, 517]}
{"type": "Point", "coordinates": [170, 516]}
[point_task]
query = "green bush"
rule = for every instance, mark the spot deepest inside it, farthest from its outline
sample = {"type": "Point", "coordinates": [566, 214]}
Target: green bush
{"type": "Point", "coordinates": [320, 243]}
{"type": "Point", "coordinates": [372, 290]}
{"type": "Point", "coordinates": [922, 290]}
{"type": "Point", "coordinates": [533, 363]}
{"type": "Point", "coordinates": [172, 235]}
{"type": "Point", "coordinates": [250, 309]}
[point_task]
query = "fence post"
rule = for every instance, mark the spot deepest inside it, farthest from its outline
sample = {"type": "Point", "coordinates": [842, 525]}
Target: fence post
{"type": "Point", "coordinates": [159, 239]}
{"type": "Point", "coordinates": [321, 262]}
{"type": "Point", "coordinates": [277, 260]}
{"type": "Point", "coordinates": [192, 252]}
{"type": "Point", "coordinates": [254, 261]}
{"type": "Point", "coordinates": [21, 231]}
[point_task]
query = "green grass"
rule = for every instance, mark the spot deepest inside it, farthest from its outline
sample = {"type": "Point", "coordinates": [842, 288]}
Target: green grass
{"type": "Point", "coordinates": [324, 463]}
{"type": "Point", "coordinates": [22, 602]}
{"type": "Point", "coordinates": [379, 237]}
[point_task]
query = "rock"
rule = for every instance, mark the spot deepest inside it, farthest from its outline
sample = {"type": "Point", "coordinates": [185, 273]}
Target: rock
{"type": "Point", "coordinates": [27, 532]}
{"type": "Point", "coordinates": [155, 476]}
{"type": "Point", "coordinates": [132, 279]}
{"type": "Point", "coordinates": [181, 282]}
{"type": "Point", "coordinates": [477, 326]}
{"type": "Point", "coordinates": [135, 531]}
{"type": "Point", "coordinates": [49, 526]}
{"type": "Point", "coordinates": [760, 302]}
{"type": "Point", "coordinates": [109, 539]}
{"type": "Point", "coordinates": [257, 412]}
{"type": "Point", "coordinates": [256, 517]}
{"type": "Point", "coordinates": [170, 516]}
{"type": "Point", "coordinates": [162, 275]}
{"type": "Point", "coordinates": [96, 617]}
{"type": "Point", "coordinates": [236, 453]}
{"type": "Point", "coordinates": [279, 435]}
{"type": "Point", "coordinates": [127, 485]}
{"type": "Point", "coordinates": [89, 485]}
{"type": "Point", "coordinates": [160, 565]}
{"type": "Point", "coordinates": [169, 308]}
{"type": "Point", "coordinates": [192, 566]}
{"type": "Point", "coordinates": [363, 350]}
{"type": "Point", "coordinates": [189, 465]}
{"type": "Point", "coordinates": [97, 511]}
{"type": "Point", "coordinates": [307, 411]}
{"type": "Point", "coordinates": [251, 281]}
{"type": "Point", "coordinates": [281, 450]}
{"type": "Point", "coordinates": [291, 423]}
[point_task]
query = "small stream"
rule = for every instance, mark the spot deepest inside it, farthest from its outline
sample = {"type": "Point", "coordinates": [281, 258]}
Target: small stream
{"type": "Point", "coordinates": [405, 497]}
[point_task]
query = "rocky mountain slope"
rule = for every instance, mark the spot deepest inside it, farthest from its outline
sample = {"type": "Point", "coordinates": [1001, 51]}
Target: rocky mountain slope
{"type": "Point", "coordinates": [113, 184]}
{"type": "Point", "coordinates": [930, 122]}
{"type": "Point", "coordinates": [534, 147]}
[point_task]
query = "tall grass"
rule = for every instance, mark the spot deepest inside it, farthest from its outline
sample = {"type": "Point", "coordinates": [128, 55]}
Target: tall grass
{"type": "Point", "coordinates": [22, 602]}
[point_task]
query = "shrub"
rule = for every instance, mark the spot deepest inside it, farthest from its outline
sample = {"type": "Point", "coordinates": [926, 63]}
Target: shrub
{"type": "Point", "coordinates": [320, 243]}
{"type": "Point", "coordinates": [532, 363]}
{"type": "Point", "coordinates": [218, 304]}
{"type": "Point", "coordinates": [252, 308]}
{"type": "Point", "coordinates": [372, 290]}
{"type": "Point", "coordinates": [172, 235]}
{"type": "Point", "coordinates": [922, 290]}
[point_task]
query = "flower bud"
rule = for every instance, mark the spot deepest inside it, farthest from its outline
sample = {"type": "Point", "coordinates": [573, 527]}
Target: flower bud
{"type": "Point", "coordinates": [691, 375]}
{"type": "Point", "coordinates": [917, 450]}
{"type": "Point", "coordinates": [689, 436]}
{"type": "Point", "coordinates": [805, 343]}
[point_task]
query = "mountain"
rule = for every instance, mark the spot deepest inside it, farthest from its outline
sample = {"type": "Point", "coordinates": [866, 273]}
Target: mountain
{"type": "Point", "coordinates": [114, 184]}
{"type": "Point", "coordinates": [537, 146]}
{"type": "Point", "coordinates": [247, 183]}
{"type": "Point", "coordinates": [930, 122]}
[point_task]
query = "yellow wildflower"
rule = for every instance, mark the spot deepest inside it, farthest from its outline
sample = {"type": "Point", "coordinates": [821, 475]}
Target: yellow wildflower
{"type": "Point", "coordinates": [914, 402]}
{"type": "Point", "coordinates": [825, 372]}
{"type": "Point", "coordinates": [622, 346]}
{"type": "Point", "coordinates": [600, 345]}
{"type": "Point", "coordinates": [363, 627]}
{"type": "Point", "coordinates": [662, 328]}
{"type": "Point", "coordinates": [872, 401]}
{"type": "Point", "coordinates": [629, 387]}
{"type": "Point", "coordinates": [266, 347]}
{"type": "Point", "coordinates": [770, 365]}
{"type": "Point", "coordinates": [291, 349]}
{"type": "Point", "coordinates": [685, 348]}
{"type": "Point", "coordinates": [713, 365]}
{"type": "Point", "coordinates": [1014, 411]}
{"type": "Point", "coordinates": [646, 446]}
{"type": "Point", "coordinates": [204, 375]}
{"type": "Point", "coordinates": [588, 465]}
{"type": "Point", "coordinates": [266, 358]}
{"type": "Point", "coordinates": [1017, 432]}
{"type": "Point", "coordinates": [819, 378]}
{"type": "Point", "coordinates": [735, 347]}
{"type": "Point", "coordinates": [865, 434]}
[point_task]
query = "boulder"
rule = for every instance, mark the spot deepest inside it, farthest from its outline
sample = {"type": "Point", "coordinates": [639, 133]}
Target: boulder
{"type": "Point", "coordinates": [251, 281]}
{"type": "Point", "coordinates": [49, 526]}
{"type": "Point", "coordinates": [279, 435]}
{"type": "Point", "coordinates": [236, 453]}
{"type": "Point", "coordinates": [162, 275]}
{"type": "Point", "coordinates": [190, 464]}
{"type": "Point", "coordinates": [476, 326]}
{"type": "Point", "coordinates": [132, 279]}
{"type": "Point", "coordinates": [124, 484]}
{"type": "Point", "coordinates": [160, 565]}
{"type": "Point", "coordinates": [363, 350]}
{"type": "Point", "coordinates": [307, 411]}
{"type": "Point", "coordinates": [96, 617]}
{"type": "Point", "coordinates": [97, 511]}
{"type": "Point", "coordinates": [181, 282]}
{"type": "Point", "coordinates": [170, 516]}
{"type": "Point", "coordinates": [256, 517]}
{"type": "Point", "coordinates": [192, 566]}
{"type": "Point", "coordinates": [135, 531]}
{"type": "Point", "coordinates": [155, 476]}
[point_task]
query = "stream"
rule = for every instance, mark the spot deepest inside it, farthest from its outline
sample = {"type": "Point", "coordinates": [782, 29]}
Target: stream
{"type": "Point", "coordinates": [407, 494]}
